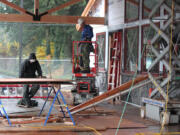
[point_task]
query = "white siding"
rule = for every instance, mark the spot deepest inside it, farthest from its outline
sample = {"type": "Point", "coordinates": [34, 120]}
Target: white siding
{"type": "Point", "coordinates": [116, 12]}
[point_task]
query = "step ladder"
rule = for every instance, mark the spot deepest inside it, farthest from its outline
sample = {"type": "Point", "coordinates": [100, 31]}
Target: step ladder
{"type": "Point", "coordinates": [114, 67]}
{"type": "Point", "coordinates": [60, 105]}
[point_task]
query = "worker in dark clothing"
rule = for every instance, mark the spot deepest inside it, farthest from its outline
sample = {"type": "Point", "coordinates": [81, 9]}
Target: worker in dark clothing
{"type": "Point", "coordinates": [85, 47]}
{"type": "Point", "coordinates": [28, 70]}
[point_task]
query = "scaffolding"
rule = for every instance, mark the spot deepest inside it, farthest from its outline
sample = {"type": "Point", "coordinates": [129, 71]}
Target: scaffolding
{"type": "Point", "coordinates": [161, 108]}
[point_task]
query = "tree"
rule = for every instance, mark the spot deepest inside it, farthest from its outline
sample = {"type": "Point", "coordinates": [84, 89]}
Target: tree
{"type": "Point", "coordinates": [34, 34]}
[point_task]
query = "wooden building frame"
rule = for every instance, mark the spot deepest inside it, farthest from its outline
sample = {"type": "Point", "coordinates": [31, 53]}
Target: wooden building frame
{"type": "Point", "coordinates": [46, 17]}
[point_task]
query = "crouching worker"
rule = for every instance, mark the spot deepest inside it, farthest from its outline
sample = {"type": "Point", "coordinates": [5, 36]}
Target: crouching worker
{"type": "Point", "coordinates": [28, 70]}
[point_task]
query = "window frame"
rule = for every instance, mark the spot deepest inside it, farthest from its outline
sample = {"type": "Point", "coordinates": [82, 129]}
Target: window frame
{"type": "Point", "coordinates": [143, 65]}
{"type": "Point", "coordinates": [99, 34]}
{"type": "Point", "coordinates": [126, 20]}
{"type": "Point", "coordinates": [125, 49]}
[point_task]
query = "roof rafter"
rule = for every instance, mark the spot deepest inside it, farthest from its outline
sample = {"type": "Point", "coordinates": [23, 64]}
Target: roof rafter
{"type": "Point", "coordinates": [44, 17]}
{"type": "Point", "coordinates": [86, 11]}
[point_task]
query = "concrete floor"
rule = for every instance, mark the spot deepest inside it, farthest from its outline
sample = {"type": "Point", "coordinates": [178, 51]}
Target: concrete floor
{"type": "Point", "coordinates": [11, 107]}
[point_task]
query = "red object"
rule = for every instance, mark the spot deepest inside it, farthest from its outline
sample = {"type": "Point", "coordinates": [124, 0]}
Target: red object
{"type": "Point", "coordinates": [115, 62]}
{"type": "Point", "coordinates": [80, 90]}
{"type": "Point", "coordinates": [150, 91]}
{"type": "Point", "coordinates": [75, 55]}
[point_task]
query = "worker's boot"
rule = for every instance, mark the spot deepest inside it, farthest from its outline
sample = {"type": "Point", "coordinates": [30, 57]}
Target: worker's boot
{"type": "Point", "coordinates": [24, 102]}
{"type": "Point", "coordinates": [85, 70]}
{"type": "Point", "coordinates": [34, 103]}
{"type": "Point", "coordinates": [19, 102]}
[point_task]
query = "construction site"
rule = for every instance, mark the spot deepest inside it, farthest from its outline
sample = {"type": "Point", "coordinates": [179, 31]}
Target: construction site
{"type": "Point", "coordinates": [90, 67]}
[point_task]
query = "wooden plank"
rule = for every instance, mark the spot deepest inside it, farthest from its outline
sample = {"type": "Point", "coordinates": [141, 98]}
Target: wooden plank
{"type": "Point", "coordinates": [88, 8]}
{"type": "Point", "coordinates": [33, 120]}
{"type": "Point", "coordinates": [49, 19]}
{"type": "Point", "coordinates": [25, 116]}
{"type": "Point", "coordinates": [40, 130]}
{"type": "Point", "coordinates": [107, 94]}
{"type": "Point", "coordinates": [15, 18]}
{"type": "Point", "coordinates": [10, 4]}
{"type": "Point", "coordinates": [86, 12]}
{"type": "Point", "coordinates": [34, 81]}
{"type": "Point", "coordinates": [62, 6]}
{"type": "Point", "coordinates": [108, 122]}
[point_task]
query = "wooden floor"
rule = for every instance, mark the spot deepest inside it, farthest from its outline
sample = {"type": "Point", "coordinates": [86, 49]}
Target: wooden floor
{"type": "Point", "coordinates": [95, 121]}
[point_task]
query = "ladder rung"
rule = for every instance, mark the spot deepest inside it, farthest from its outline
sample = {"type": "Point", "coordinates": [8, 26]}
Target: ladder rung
{"type": "Point", "coordinates": [115, 39]}
{"type": "Point", "coordinates": [111, 83]}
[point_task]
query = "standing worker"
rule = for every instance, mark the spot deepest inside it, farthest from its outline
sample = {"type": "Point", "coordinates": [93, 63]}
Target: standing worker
{"type": "Point", "coordinates": [85, 47]}
{"type": "Point", "coordinates": [28, 70]}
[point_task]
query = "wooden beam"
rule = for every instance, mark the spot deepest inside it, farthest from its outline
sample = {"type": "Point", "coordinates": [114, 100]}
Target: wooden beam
{"type": "Point", "coordinates": [10, 4]}
{"type": "Point", "coordinates": [107, 94]}
{"type": "Point", "coordinates": [88, 7]}
{"type": "Point", "coordinates": [62, 6]}
{"type": "Point", "coordinates": [15, 18]}
{"type": "Point", "coordinates": [37, 120]}
{"type": "Point", "coordinates": [36, 6]}
{"type": "Point", "coordinates": [86, 11]}
{"type": "Point", "coordinates": [50, 19]}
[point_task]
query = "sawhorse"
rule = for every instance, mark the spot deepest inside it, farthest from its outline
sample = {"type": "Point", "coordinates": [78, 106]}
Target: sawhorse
{"type": "Point", "coordinates": [56, 97]}
{"type": "Point", "coordinates": [2, 107]}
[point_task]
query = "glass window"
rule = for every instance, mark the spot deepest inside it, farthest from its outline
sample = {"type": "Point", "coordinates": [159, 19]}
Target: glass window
{"type": "Point", "coordinates": [148, 6]}
{"type": "Point", "coordinates": [147, 55]}
{"type": "Point", "coordinates": [132, 7]}
{"type": "Point", "coordinates": [51, 43]}
{"type": "Point", "coordinates": [131, 49]}
{"type": "Point", "coordinates": [100, 38]}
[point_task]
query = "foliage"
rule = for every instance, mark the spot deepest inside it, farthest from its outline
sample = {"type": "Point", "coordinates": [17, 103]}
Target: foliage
{"type": "Point", "coordinates": [54, 40]}
{"type": "Point", "coordinates": [49, 41]}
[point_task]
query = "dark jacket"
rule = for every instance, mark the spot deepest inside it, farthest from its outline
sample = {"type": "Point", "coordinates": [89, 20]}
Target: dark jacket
{"type": "Point", "coordinates": [87, 32]}
{"type": "Point", "coordinates": [28, 70]}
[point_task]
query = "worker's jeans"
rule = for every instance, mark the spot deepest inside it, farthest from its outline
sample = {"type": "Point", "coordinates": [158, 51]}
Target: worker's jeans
{"type": "Point", "coordinates": [28, 94]}
{"type": "Point", "coordinates": [84, 58]}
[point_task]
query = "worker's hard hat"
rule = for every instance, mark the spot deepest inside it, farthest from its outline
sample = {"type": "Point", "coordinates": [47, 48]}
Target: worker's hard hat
{"type": "Point", "coordinates": [80, 21]}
